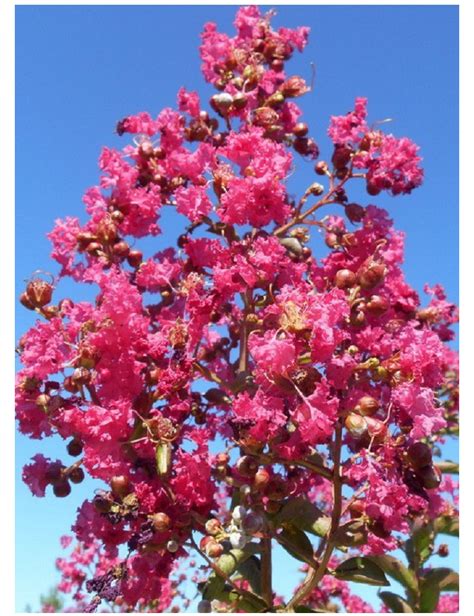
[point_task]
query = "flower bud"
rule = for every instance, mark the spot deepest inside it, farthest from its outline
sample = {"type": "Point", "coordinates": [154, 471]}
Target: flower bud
{"type": "Point", "coordinates": [357, 318]}
{"type": "Point", "coordinates": [300, 129]}
{"type": "Point", "coordinates": [377, 429]}
{"type": "Point", "coordinates": [70, 386]}
{"type": "Point", "coordinates": [252, 522]}
{"type": "Point", "coordinates": [357, 509]}
{"type": "Point", "coordinates": [293, 87]}
{"type": "Point", "coordinates": [372, 189]}
{"type": "Point", "coordinates": [213, 527]}
{"type": "Point", "coordinates": [316, 189]}
{"type": "Point", "coordinates": [355, 212]}
{"type": "Point", "coordinates": [214, 549]}
{"type": "Point", "coordinates": [372, 275]}
{"type": "Point", "coordinates": [276, 489]}
{"type": "Point", "coordinates": [26, 302]}
{"type": "Point", "coordinates": [134, 258]}
{"type": "Point", "coordinates": [239, 100]}
{"type": "Point", "coordinates": [419, 455]}
{"type": "Point", "coordinates": [172, 546]}
{"type": "Point", "coordinates": [54, 473]}
{"type": "Point", "coordinates": [39, 292]}
{"type": "Point", "coordinates": [76, 475]}
{"type": "Point", "coordinates": [221, 103]}
{"type": "Point", "coordinates": [121, 249]}
{"type": "Point", "coordinates": [344, 279]}
{"type": "Point", "coordinates": [247, 466]}
{"type": "Point", "coordinates": [74, 447]}
{"type": "Point", "coordinates": [332, 240]}
{"type": "Point", "coordinates": [81, 376]}
{"type": "Point", "coordinates": [356, 425]}
{"type": "Point", "coordinates": [261, 479]}
{"type": "Point", "coordinates": [321, 167]}
{"type": "Point", "coordinates": [43, 400]}
{"type": "Point", "coordinates": [62, 489]}
{"type": "Point", "coordinates": [430, 477]}
{"type": "Point", "coordinates": [102, 502]}
{"type": "Point", "coordinates": [204, 607]}
{"type": "Point", "coordinates": [367, 406]}
{"type": "Point", "coordinates": [120, 485]}
{"type": "Point", "coordinates": [377, 305]}
{"type": "Point", "coordinates": [106, 230]}
{"type": "Point", "coordinates": [238, 540]}
{"type": "Point", "coordinates": [238, 513]}
{"type": "Point", "coordinates": [377, 527]}
{"type": "Point", "coordinates": [161, 522]}
{"type": "Point", "coordinates": [443, 550]}
{"type": "Point", "coordinates": [222, 459]}
{"type": "Point", "coordinates": [265, 116]}
{"type": "Point", "coordinates": [341, 156]}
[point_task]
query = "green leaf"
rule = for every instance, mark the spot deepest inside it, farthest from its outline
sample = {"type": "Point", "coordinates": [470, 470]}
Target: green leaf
{"type": "Point", "coordinates": [351, 534]}
{"type": "Point", "coordinates": [246, 604]}
{"type": "Point", "coordinates": [448, 467]}
{"type": "Point", "coordinates": [251, 571]}
{"type": "Point", "coordinates": [297, 544]}
{"type": "Point", "coordinates": [429, 596]}
{"type": "Point", "coordinates": [444, 577]}
{"type": "Point", "coordinates": [363, 570]}
{"type": "Point", "coordinates": [397, 570]}
{"type": "Point", "coordinates": [395, 603]}
{"type": "Point", "coordinates": [305, 516]}
{"type": "Point", "coordinates": [228, 564]}
{"type": "Point", "coordinates": [448, 525]}
{"type": "Point", "coordinates": [420, 546]}
{"type": "Point", "coordinates": [163, 458]}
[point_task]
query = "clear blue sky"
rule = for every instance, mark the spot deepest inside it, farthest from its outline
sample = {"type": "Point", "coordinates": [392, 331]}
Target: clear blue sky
{"type": "Point", "coordinates": [80, 69]}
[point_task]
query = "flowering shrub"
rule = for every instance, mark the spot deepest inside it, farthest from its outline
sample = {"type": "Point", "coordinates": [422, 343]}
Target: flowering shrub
{"type": "Point", "coordinates": [235, 392]}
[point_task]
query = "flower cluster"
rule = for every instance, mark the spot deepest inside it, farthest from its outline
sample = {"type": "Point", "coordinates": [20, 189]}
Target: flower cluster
{"type": "Point", "coordinates": [304, 373]}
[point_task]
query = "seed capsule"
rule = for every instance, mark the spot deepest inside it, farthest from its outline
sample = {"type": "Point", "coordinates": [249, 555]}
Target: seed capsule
{"type": "Point", "coordinates": [344, 279]}
{"type": "Point", "coordinates": [367, 406]}
{"type": "Point", "coordinates": [172, 546]}
{"type": "Point", "coordinates": [247, 466]}
{"type": "Point", "coordinates": [355, 212]}
{"type": "Point", "coordinates": [213, 527]}
{"type": "Point", "coordinates": [377, 429]}
{"type": "Point", "coordinates": [120, 485]}
{"type": "Point", "coordinates": [419, 455]}
{"type": "Point", "coordinates": [300, 129]}
{"type": "Point", "coordinates": [39, 292]}
{"type": "Point", "coordinates": [321, 167]}
{"type": "Point", "coordinates": [372, 275]}
{"type": "Point", "coordinates": [377, 305]}
{"type": "Point", "coordinates": [430, 477]}
{"type": "Point", "coordinates": [62, 489]}
{"type": "Point", "coordinates": [356, 425]}
{"type": "Point", "coordinates": [76, 475]}
{"type": "Point", "coordinates": [161, 522]}
{"type": "Point", "coordinates": [252, 522]}
{"type": "Point", "coordinates": [204, 607]}
{"type": "Point", "coordinates": [134, 258]}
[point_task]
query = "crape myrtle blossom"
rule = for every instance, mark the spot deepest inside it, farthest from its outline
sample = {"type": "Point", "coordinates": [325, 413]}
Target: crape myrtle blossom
{"type": "Point", "coordinates": [234, 391]}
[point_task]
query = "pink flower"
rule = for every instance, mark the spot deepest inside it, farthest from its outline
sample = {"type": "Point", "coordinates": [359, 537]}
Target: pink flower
{"type": "Point", "coordinates": [189, 101]}
{"type": "Point", "coordinates": [350, 127]}
{"type": "Point", "coordinates": [261, 416]}
{"type": "Point", "coordinates": [273, 355]}
{"type": "Point", "coordinates": [193, 202]}
{"type": "Point", "coordinates": [34, 475]}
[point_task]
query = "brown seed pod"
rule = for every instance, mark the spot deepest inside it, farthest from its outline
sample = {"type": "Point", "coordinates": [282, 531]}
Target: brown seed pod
{"type": "Point", "coordinates": [344, 279]}
{"type": "Point", "coordinates": [161, 522]}
{"type": "Point", "coordinates": [367, 406]}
